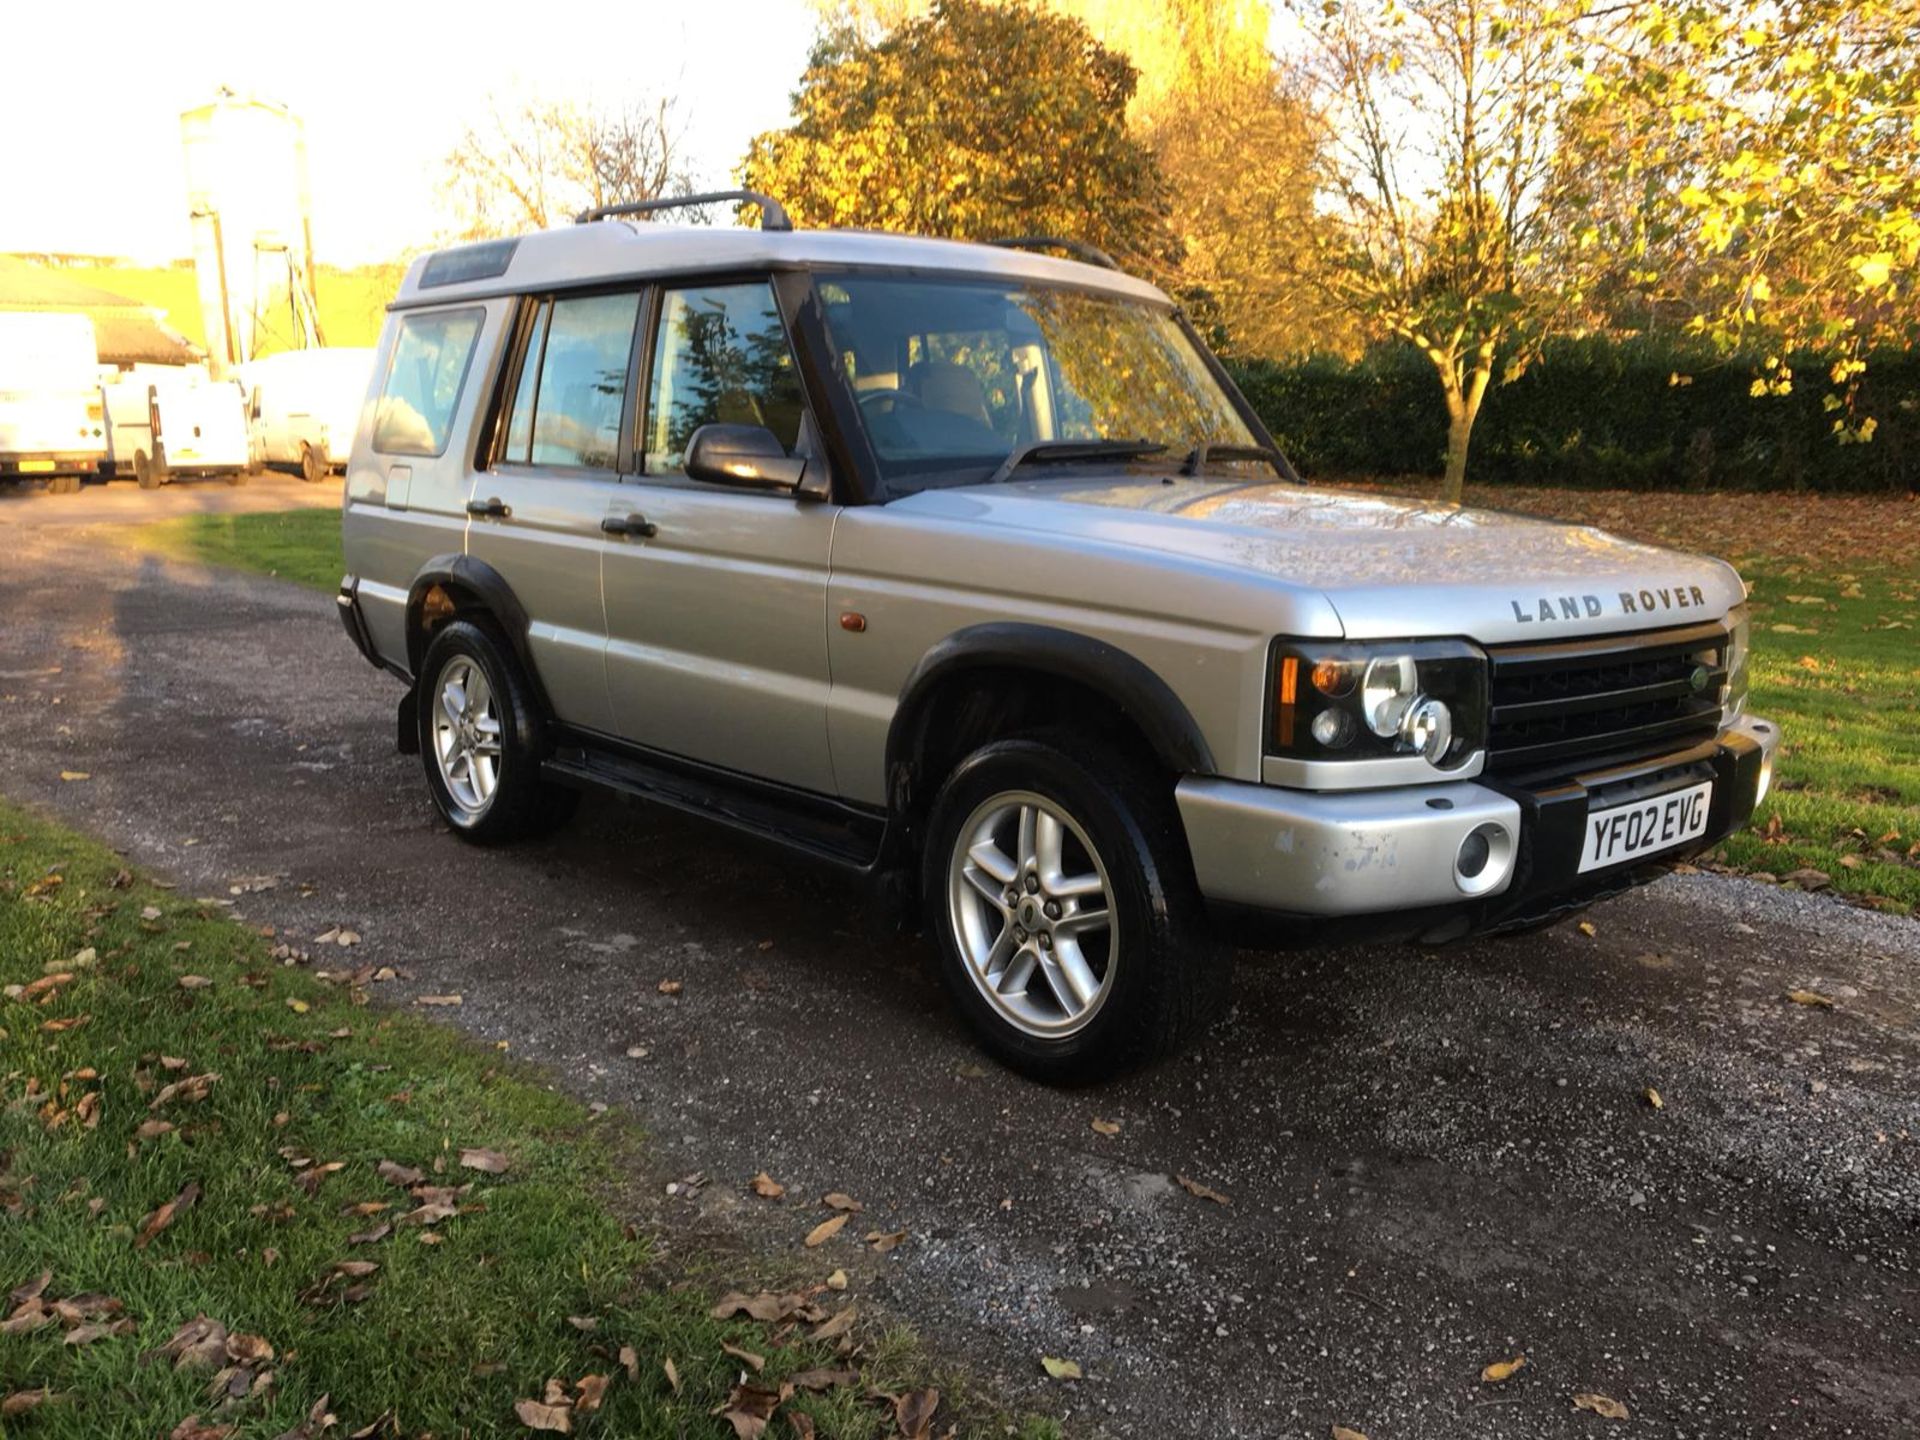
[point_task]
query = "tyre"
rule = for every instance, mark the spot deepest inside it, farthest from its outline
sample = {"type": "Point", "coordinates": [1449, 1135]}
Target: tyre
{"type": "Point", "coordinates": [1062, 903]}
{"type": "Point", "coordinates": [145, 471]}
{"type": "Point", "coordinates": [482, 741]}
{"type": "Point", "coordinates": [313, 469]}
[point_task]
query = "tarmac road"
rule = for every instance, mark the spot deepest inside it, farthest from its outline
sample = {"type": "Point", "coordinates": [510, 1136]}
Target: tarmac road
{"type": "Point", "coordinates": [1436, 1159]}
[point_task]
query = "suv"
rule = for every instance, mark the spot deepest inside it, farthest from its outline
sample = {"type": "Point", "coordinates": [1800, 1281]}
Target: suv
{"type": "Point", "coordinates": [967, 567]}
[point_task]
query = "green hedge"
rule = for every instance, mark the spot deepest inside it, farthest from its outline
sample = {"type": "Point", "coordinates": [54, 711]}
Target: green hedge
{"type": "Point", "coordinates": [1596, 413]}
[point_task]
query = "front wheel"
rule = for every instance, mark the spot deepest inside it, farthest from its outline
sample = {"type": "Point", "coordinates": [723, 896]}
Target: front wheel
{"type": "Point", "coordinates": [480, 739]}
{"type": "Point", "coordinates": [313, 468]}
{"type": "Point", "coordinates": [1061, 897]}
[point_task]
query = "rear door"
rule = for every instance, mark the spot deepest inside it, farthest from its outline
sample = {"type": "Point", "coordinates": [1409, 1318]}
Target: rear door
{"type": "Point", "coordinates": [552, 477]}
{"type": "Point", "coordinates": [716, 612]}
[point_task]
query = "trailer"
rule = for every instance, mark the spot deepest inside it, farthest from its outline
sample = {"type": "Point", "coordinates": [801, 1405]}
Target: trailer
{"type": "Point", "coordinates": [163, 425]}
{"type": "Point", "coordinates": [52, 420]}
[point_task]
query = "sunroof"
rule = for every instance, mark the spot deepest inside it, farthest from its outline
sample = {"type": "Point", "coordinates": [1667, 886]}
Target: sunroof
{"type": "Point", "coordinates": [483, 261]}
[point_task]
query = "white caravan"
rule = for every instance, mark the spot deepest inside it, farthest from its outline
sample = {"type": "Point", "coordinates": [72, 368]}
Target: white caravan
{"type": "Point", "coordinates": [167, 422]}
{"type": "Point", "coordinates": [304, 406]}
{"type": "Point", "coordinates": [51, 422]}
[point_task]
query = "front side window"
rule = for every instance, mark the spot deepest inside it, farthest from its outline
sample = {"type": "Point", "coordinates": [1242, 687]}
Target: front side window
{"type": "Point", "coordinates": [720, 357]}
{"type": "Point", "coordinates": [573, 383]}
{"type": "Point", "coordinates": [953, 375]}
{"type": "Point", "coordinates": [429, 366]}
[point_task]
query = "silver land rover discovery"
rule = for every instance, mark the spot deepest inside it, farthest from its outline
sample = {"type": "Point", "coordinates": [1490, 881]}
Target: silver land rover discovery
{"type": "Point", "coordinates": [967, 567]}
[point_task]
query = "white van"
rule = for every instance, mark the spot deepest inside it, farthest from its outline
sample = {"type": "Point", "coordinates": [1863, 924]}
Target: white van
{"type": "Point", "coordinates": [304, 406]}
{"type": "Point", "coordinates": [167, 423]}
{"type": "Point", "coordinates": [52, 426]}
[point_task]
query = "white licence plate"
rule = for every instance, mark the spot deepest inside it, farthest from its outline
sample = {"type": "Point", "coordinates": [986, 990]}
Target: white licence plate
{"type": "Point", "coordinates": [1627, 832]}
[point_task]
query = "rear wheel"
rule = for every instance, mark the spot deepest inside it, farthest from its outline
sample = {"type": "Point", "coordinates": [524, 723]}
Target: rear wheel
{"type": "Point", "coordinates": [145, 471]}
{"type": "Point", "coordinates": [481, 741]}
{"type": "Point", "coordinates": [313, 468]}
{"type": "Point", "coordinates": [64, 485]}
{"type": "Point", "coordinates": [1061, 898]}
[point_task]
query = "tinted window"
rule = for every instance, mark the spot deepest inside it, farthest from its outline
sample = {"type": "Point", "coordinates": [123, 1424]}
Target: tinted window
{"type": "Point", "coordinates": [429, 366]}
{"type": "Point", "coordinates": [583, 381]}
{"type": "Point", "coordinates": [720, 356]}
{"type": "Point", "coordinates": [520, 418]}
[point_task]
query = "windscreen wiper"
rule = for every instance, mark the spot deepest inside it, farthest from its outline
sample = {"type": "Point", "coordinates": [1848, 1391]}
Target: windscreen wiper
{"type": "Point", "coordinates": [1198, 457]}
{"type": "Point", "coordinates": [1068, 452]}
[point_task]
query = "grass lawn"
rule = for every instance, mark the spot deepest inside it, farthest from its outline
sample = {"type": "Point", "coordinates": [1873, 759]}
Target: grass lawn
{"type": "Point", "coordinates": [298, 545]}
{"type": "Point", "coordinates": [350, 1211]}
{"type": "Point", "coordinates": [1836, 602]}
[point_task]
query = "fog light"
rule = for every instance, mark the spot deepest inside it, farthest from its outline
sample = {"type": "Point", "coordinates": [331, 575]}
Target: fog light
{"type": "Point", "coordinates": [1484, 859]}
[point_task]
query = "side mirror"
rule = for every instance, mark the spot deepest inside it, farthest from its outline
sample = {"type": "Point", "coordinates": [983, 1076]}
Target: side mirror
{"type": "Point", "coordinates": [745, 455]}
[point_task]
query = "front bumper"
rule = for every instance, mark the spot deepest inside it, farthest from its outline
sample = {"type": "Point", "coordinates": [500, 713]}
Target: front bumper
{"type": "Point", "coordinates": [1389, 856]}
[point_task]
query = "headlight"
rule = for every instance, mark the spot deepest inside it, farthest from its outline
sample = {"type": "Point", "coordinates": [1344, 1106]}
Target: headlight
{"type": "Point", "coordinates": [1366, 701]}
{"type": "Point", "coordinates": [1733, 698]}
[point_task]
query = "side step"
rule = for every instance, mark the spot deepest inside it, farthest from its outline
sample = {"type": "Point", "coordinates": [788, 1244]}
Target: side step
{"type": "Point", "coordinates": [842, 835]}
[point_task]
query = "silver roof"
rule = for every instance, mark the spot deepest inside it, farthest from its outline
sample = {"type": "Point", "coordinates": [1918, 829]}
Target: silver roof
{"type": "Point", "coordinates": [623, 249]}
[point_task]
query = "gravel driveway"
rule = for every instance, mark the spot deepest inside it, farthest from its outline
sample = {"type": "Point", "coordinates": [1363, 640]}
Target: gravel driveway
{"type": "Point", "coordinates": [1435, 1159]}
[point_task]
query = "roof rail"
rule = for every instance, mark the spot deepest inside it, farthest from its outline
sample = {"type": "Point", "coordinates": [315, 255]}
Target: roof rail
{"type": "Point", "coordinates": [1078, 249]}
{"type": "Point", "coordinates": [773, 215]}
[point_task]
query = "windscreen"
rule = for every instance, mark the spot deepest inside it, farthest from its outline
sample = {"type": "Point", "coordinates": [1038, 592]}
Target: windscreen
{"type": "Point", "coordinates": [953, 375]}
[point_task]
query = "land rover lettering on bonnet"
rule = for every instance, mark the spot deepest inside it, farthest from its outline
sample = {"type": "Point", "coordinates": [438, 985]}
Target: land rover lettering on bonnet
{"type": "Point", "coordinates": [965, 569]}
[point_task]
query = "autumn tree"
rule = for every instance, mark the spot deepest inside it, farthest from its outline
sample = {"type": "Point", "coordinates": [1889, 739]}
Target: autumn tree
{"type": "Point", "coordinates": [973, 121]}
{"type": "Point", "coordinates": [528, 164]}
{"type": "Point", "coordinates": [1754, 171]}
{"type": "Point", "coordinates": [1441, 118]}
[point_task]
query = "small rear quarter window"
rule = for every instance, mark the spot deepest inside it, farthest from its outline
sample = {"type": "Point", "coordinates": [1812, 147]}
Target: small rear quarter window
{"type": "Point", "coordinates": [431, 355]}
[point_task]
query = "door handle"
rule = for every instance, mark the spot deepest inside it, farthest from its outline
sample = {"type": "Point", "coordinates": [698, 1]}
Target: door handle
{"type": "Point", "coordinates": [629, 525]}
{"type": "Point", "coordinates": [495, 507]}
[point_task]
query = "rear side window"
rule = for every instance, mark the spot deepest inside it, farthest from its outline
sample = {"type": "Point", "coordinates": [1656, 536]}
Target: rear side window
{"type": "Point", "coordinates": [424, 379]}
{"type": "Point", "coordinates": [572, 385]}
{"type": "Point", "coordinates": [720, 356]}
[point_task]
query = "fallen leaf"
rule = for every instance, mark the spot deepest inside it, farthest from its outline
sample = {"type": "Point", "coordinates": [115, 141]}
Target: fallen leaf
{"type": "Point", "coordinates": [835, 1200]}
{"type": "Point", "coordinates": [768, 1188]}
{"type": "Point", "coordinates": [490, 1161]}
{"type": "Point", "coordinates": [21, 1401]}
{"type": "Point", "coordinates": [882, 1243]}
{"type": "Point", "coordinates": [299, 1007]}
{"type": "Point", "coordinates": [538, 1416]}
{"type": "Point", "coordinates": [1602, 1405]}
{"type": "Point", "coordinates": [669, 987]}
{"type": "Point", "coordinates": [1106, 1127]}
{"type": "Point", "coordinates": [401, 1175]}
{"type": "Point", "coordinates": [827, 1229]}
{"type": "Point", "coordinates": [1653, 1099]}
{"type": "Point", "coordinates": [1202, 1192]}
{"type": "Point", "coordinates": [1586, 928]}
{"type": "Point", "coordinates": [75, 775]}
{"type": "Point", "coordinates": [370, 1237]}
{"type": "Point", "coordinates": [754, 1362]}
{"type": "Point", "coordinates": [766, 1307]}
{"type": "Point", "coordinates": [748, 1409]}
{"type": "Point", "coordinates": [161, 1218]}
{"type": "Point", "coordinates": [193, 982]}
{"type": "Point", "coordinates": [191, 1429]}
{"type": "Point", "coordinates": [913, 1413]}
{"type": "Point", "coordinates": [1811, 998]}
{"type": "Point", "coordinates": [149, 912]}
{"type": "Point", "coordinates": [802, 1424]}
{"type": "Point", "coordinates": [1502, 1370]}
{"type": "Point", "coordinates": [835, 1326]}
{"type": "Point", "coordinates": [667, 1366]}
{"type": "Point", "coordinates": [592, 1390]}
{"type": "Point", "coordinates": [1341, 1432]}
{"type": "Point", "coordinates": [437, 1000]}
{"type": "Point", "coordinates": [1061, 1369]}
{"type": "Point", "coordinates": [152, 1129]}
{"type": "Point", "coordinates": [837, 1280]}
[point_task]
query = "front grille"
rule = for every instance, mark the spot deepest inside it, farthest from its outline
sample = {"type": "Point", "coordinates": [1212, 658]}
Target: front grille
{"type": "Point", "coordinates": [1613, 699]}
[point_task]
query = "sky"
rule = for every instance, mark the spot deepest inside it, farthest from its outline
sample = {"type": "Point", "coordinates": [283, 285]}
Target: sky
{"type": "Point", "coordinates": [90, 156]}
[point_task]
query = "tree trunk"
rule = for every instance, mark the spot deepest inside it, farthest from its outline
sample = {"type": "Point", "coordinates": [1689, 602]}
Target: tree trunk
{"type": "Point", "coordinates": [1463, 408]}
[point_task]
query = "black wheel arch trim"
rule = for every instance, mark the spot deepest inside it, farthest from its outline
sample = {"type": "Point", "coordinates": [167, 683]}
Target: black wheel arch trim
{"type": "Point", "coordinates": [491, 592]}
{"type": "Point", "coordinates": [1141, 695]}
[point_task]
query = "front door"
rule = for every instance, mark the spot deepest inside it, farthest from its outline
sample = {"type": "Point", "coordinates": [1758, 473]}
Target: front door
{"type": "Point", "coordinates": [716, 603]}
{"type": "Point", "coordinates": [537, 507]}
